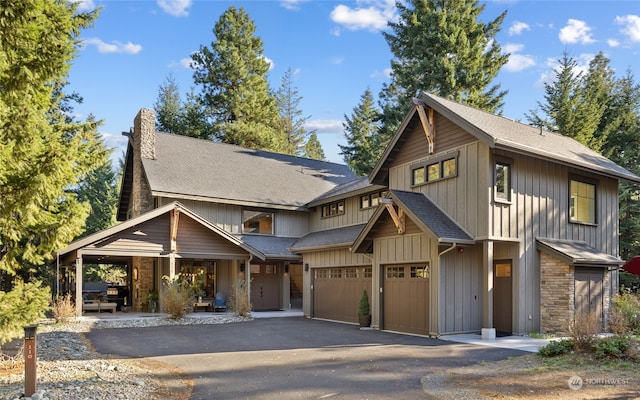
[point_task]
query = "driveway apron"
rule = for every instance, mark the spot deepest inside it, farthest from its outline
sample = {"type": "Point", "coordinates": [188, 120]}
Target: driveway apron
{"type": "Point", "coordinates": [295, 358]}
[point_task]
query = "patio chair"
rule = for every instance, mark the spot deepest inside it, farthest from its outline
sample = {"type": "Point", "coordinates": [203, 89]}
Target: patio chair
{"type": "Point", "coordinates": [220, 303]}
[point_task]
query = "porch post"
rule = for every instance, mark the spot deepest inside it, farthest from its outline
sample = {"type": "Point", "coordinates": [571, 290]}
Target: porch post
{"type": "Point", "coordinates": [79, 286]}
{"type": "Point", "coordinates": [172, 266]}
{"type": "Point", "coordinates": [488, 331]}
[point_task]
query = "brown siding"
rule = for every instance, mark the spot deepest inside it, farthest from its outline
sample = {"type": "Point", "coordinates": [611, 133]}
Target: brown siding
{"type": "Point", "coordinates": [151, 237]}
{"type": "Point", "coordinates": [193, 238]}
{"type": "Point", "coordinates": [462, 291]}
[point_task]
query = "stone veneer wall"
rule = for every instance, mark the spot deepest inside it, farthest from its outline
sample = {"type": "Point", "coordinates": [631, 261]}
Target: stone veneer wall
{"type": "Point", "coordinates": [144, 146]}
{"type": "Point", "coordinates": [557, 292]}
{"type": "Point", "coordinates": [143, 284]}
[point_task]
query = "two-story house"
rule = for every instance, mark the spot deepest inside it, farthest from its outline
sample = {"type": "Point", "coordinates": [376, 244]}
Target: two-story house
{"type": "Point", "coordinates": [469, 222]}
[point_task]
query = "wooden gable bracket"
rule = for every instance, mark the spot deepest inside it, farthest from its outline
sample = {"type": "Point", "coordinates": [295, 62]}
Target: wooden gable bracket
{"type": "Point", "coordinates": [397, 217]}
{"type": "Point", "coordinates": [428, 124]}
{"type": "Point", "coordinates": [175, 217]}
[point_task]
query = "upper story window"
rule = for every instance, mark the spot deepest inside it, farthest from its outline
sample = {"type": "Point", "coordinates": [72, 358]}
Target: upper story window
{"type": "Point", "coordinates": [260, 222]}
{"type": "Point", "coordinates": [582, 202]}
{"type": "Point", "coordinates": [503, 181]}
{"type": "Point", "coordinates": [435, 169]}
{"type": "Point", "coordinates": [333, 209]}
{"type": "Point", "coordinates": [371, 199]}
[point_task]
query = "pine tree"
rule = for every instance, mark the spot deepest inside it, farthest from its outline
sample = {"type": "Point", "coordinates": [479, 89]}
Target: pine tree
{"type": "Point", "coordinates": [42, 154]}
{"type": "Point", "coordinates": [313, 148]}
{"type": "Point", "coordinates": [235, 90]}
{"type": "Point", "coordinates": [168, 107]}
{"type": "Point", "coordinates": [575, 103]}
{"type": "Point", "coordinates": [291, 119]}
{"type": "Point", "coordinates": [442, 47]}
{"type": "Point", "coordinates": [363, 149]}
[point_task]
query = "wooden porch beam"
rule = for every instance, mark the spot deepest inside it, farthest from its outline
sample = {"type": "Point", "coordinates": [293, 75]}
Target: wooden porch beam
{"type": "Point", "coordinates": [428, 124]}
{"type": "Point", "coordinates": [397, 216]}
{"type": "Point", "coordinates": [175, 217]}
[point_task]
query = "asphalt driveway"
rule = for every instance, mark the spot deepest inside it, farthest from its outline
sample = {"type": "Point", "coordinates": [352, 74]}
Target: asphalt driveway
{"type": "Point", "coordinates": [295, 358]}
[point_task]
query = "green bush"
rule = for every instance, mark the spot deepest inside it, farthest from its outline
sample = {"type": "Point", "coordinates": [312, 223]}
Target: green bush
{"type": "Point", "coordinates": [557, 348]}
{"type": "Point", "coordinates": [625, 314]}
{"type": "Point", "coordinates": [22, 306]}
{"type": "Point", "coordinates": [176, 297]}
{"type": "Point", "coordinates": [363, 306]}
{"type": "Point", "coordinates": [611, 347]}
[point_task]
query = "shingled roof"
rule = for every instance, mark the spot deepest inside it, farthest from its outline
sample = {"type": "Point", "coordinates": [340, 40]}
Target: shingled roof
{"type": "Point", "coordinates": [504, 133]}
{"type": "Point", "coordinates": [191, 168]}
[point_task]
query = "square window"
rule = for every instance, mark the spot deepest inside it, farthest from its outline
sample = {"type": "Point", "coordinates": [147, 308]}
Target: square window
{"type": "Point", "coordinates": [374, 199]}
{"type": "Point", "coordinates": [364, 201]}
{"type": "Point", "coordinates": [434, 171]}
{"type": "Point", "coordinates": [449, 168]}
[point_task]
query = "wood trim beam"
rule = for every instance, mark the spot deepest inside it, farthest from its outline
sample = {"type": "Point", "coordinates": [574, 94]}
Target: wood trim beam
{"type": "Point", "coordinates": [428, 125]}
{"type": "Point", "coordinates": [397, 216]}
{"type": "Point", "coordinates": [175, 218]}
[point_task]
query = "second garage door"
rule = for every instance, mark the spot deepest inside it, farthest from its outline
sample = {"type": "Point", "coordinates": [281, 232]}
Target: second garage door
{"type": "Point", "coordinates": [406, 298]}
{"type": "Point", "coordinates": [337, 291]}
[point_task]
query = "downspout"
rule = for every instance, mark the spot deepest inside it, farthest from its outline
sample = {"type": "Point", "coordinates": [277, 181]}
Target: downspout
{"type": "Point", "coordinates": [448, 249]}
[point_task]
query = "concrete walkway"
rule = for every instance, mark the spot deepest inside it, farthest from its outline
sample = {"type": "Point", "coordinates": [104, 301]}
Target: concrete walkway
{"type": "Point", "coordinates": [523, 343]}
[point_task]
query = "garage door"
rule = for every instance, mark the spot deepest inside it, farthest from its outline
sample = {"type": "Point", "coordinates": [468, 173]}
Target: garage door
{"type": "Point", "coordinates": [337, 292]}
{"type": "Point", "coordinates": [406, 298]}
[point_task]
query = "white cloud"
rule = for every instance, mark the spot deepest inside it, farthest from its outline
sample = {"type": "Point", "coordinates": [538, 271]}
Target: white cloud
{"type": "Point", "coordinates": [370, 15]}
{"type": "Point", "coordinates": [517, 27]}
{"type": "Point", "coordinates": [291, 4]}
{"type": "Point", "coordinates": [269, 61]}
{"type": "Point", "coordinates": [576, 31]}
{"type": "Point", "coordinates": [115, 47]}
{"type": "Point", "coordinates": [518, 62]}
{"type": "Point", "coordinates": [325, 126]}
{"type": "Point", "coordinates": [631, 26]}
{"type": "Point", "coordinates": [382, 75]}
{"type": "Point", "coordinates": [177, 8]}
{"type": "Point", "coordinates": [613, 43]}
{"type": "Point", "coordinates": [85, 5]}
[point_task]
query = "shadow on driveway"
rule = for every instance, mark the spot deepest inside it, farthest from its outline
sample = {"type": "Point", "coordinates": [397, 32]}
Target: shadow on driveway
{"type": "Point", "coordinates": [287, 358]}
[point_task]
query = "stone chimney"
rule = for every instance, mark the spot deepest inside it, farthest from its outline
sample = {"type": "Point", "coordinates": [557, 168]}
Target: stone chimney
{"type": "Point", "coordinates": [144, 147]}
{"type": "Point", "coordinates": [144, 133]}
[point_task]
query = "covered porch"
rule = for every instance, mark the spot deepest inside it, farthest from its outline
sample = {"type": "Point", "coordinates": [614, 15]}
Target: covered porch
{"type": "Point", "coordinates": [158, 245]}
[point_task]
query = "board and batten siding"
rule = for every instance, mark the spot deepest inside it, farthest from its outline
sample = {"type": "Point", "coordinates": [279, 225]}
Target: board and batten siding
{"type": "Point", "coordinates": [195, 239]}
{"type": "Point", "coordinates": [465, 197]}
{"type": "Point", "coordinates": [461, 291]}
{"type": "Point", "coordinates": [229, 217]}
{"type": "Point", "coordinates": [540, 205]}
{"type": "Point", "coordinates": [353, 215]}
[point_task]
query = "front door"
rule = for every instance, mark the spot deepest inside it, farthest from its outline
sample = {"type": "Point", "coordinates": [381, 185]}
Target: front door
{"type": "Point", "coordinates": [265, 291]}
{"type": "Point", "coordinates": [502, 297]}
{"type": "Point", "coordinates": [589, 292]}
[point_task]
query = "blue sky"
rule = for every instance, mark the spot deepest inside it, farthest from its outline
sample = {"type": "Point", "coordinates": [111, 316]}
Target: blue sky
{"type": "Point", "coordinates": [335, 49]}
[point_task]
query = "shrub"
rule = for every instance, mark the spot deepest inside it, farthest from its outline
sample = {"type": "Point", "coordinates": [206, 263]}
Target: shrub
{"type": "Point", "coordinates": [24, 305]}
{"type": "Point", "coordinates": [176, 296]}
{"type": "Point", "coordinates": [363, 306]}
{"type": "Point", "coordinates": [583, 329]}
{"type": "Point", "coordinates": [611, 347]}
{"type": "Point", "coordinates": [239, 302]}
{"type": "Point", "coordinates": [63, 309]}
{"type": "Point", "coordinates": [625, 313]}
{"type": "Point", "coordinates": [557, 348]}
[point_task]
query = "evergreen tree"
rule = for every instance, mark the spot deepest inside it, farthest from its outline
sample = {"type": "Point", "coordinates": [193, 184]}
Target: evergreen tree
{"type": "Point", "coordinates": [622, 145]}
{"type": "Point", "coordinates": [575, 103]}
{"type": "Point", "coordinates": [100, 190]}
{"type": "Point", "coordinates": [442, 47]}
{"type": "Point", "coordinates": [42, 154]}
{"type": "Point", "coordinates": [363, 150]}
{"type": "Point", "coordinates": [168, 107]}
{"type": "Point", "coordinates": [193, 118]}
{"type": "Point", "coordinates": [313, 148]}
{"type": "Point", "coordinates": [235, 91]}
{"type": "Point", "coordinates": [291, 119]}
